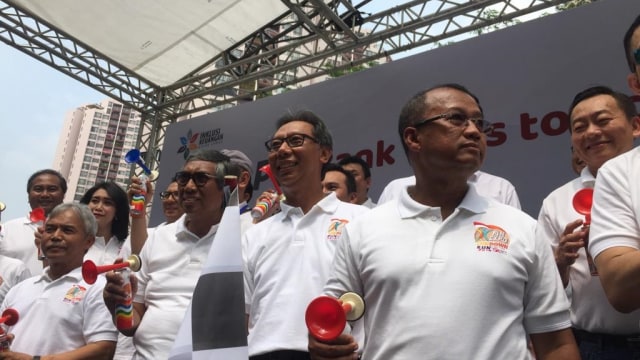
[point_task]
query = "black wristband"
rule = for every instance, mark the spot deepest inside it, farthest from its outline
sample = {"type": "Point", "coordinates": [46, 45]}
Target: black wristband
{"type": "Point", "coordinates": [36, 357]}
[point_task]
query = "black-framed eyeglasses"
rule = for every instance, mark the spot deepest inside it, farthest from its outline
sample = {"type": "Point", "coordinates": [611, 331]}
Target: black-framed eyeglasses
{"type": "Point", "coordinates": [636, 56]}
{"type": "Point", "coordinates": [199, 178]}
{"type": "Point", "coordinates": [293, 141]}
{"type": "Point", "coordinates": [458, 120]}
{"type": "Point", "coordinates": [166, 194]}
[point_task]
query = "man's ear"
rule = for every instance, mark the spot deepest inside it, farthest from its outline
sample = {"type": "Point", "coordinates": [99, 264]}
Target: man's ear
{"type": "Point", "coordinates": [90, 240]}
{"type": "Point", "coordinates": [634, 83]}
{"type": "Point", "coordinates": [410, 138]}
{"type": "Point", "coordinates": [325, 154]}
{"type": "Point", "coordinates": [244, 179]}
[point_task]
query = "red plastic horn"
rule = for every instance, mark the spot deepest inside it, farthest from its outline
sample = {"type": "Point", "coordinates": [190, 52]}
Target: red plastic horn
{"type": "Point", "coordinates": [582, 201]}
{"type": "Point", "coordinates": [9, 317]}
{"type": "Point", "coordinates": [90, 270]}
{"type": "Point", "coordinates": [267, 170]}
{"type": "Point", "coordinates": [37, 215]}
{"type": "Point", "coordinates": [326, 317]}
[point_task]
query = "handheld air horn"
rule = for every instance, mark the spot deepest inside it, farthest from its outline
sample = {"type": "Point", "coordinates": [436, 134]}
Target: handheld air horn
{"type": "Point", "coordinates": [90, 270]}
{"type": "Point", "coordinates": [582, 201]}
{"type": "Point", "coordinates": [137, 201]}
{"type": "Point", "coordinates": [262, 207]}
{"type": "Point", "coordinates": [9, 317]}
{"type": "Point", "coordinates": [37, 216]}
{"type": "Point", "coordinates": [326, 317]}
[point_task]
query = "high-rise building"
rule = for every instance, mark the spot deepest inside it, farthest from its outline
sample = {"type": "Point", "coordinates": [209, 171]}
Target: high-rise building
{"type": "Point", "coordinates": [92, 144]}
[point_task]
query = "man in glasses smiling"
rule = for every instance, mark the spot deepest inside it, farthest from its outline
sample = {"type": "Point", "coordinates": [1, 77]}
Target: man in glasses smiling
{"type": "Point", "coordinates": [288, 256]}
{"type": "Point", "coordinates": [443, 260]}
{"type": "Point", "coordinates": [173, 255]}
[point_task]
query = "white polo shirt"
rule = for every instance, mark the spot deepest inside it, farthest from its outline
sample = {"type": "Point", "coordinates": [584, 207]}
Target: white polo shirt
{"type": "Point", "coordinates": [17, 240]}
{"type": "Point", "coordinates": [486, 184]}
{"type": "Point", "coordinates": [615, 215]}
{"type": "Point", "coordinates": [103, 253]}
{"type": "Point", "coordinates": [172, 260]}
{"type": "Point", "coordinates": [287, 260]}
{"type": "Point", "coordinates": [12, 271]}
{"type": "Point", "coordinates": [590, 309]}
{"type": "Point", "coordinates": [468, 287]}
{"type": "Point", "coordinates": [58, 315]}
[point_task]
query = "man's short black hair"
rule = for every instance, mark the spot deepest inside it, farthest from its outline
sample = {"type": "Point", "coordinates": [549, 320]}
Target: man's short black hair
{"type": "Point", "coordinates": [623, 101]}
{"type": "Point", "coordinates": [351, 181]}
{"type": "Point", "coordinates": [62, 180]}
{"type": "Point", "coordinates": [628, 51]}
{"type": "Point", "coordinates": [320, 131]}
{"type": "Point", "coordinates": [357, 160]}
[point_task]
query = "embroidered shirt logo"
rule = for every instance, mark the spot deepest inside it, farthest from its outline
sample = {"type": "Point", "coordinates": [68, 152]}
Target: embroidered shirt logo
{"type": "Point", "coordinates": [490, 238]}
{"type": "Point", "coordinates": [335, 229]}
{"type": "Point", "coordinates": [75, 294]}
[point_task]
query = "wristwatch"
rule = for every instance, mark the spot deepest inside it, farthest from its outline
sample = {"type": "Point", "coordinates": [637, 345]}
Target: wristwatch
{"type": "Point", "coordinates": [36, 357]}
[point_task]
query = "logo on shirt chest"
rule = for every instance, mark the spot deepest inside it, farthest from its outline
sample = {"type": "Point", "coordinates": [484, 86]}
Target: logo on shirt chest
{"type": "Point", "coordinates": [335, 228]}
{"type": "Point", "coordinates": [490, 238]}
{"type": "Point", "coordinates": [75, 294]}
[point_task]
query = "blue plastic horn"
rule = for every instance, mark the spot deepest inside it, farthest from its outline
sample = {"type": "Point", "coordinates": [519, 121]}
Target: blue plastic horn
{"type": "Point", "coordinates": [133, 157]}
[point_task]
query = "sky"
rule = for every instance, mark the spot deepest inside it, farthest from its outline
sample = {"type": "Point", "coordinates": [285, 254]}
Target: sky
{"type": "Point", "coordinates": [33, 101]}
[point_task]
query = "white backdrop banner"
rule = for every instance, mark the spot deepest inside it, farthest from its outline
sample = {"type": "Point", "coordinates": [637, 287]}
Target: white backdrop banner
{"type": "Point", "coordinates": [525, 77]}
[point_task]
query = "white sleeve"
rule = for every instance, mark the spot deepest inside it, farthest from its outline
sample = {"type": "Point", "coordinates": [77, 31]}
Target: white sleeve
{"type": "Point", "coordinates": [614, 221]}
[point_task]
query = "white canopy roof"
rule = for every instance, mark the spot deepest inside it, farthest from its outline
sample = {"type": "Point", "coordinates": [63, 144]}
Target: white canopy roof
{"type": "Point", "coordinates": [161, 40]}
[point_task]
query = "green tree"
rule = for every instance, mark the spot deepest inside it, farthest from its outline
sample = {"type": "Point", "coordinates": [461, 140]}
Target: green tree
{"type": "Point", "coordinates": [573, 4]}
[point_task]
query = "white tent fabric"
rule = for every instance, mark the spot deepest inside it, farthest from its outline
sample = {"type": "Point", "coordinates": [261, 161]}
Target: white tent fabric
{"type": "Point", "coordinates": [160, 40]}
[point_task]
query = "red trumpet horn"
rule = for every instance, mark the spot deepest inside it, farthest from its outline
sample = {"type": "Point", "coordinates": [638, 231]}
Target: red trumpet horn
{"type": "Point", "coordinates": [9, 317]}
{"type": "Point", "coordinates": [326, 317]}
{"type": "Point", "coordinates": [267, 170]}
{"type": "Point", "coordinates": [90, 270]}
{"type": "Point", "coordinates": [582, 201]}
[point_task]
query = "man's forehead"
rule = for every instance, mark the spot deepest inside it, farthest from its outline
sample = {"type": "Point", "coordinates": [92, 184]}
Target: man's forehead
{"type": "Point", "coordinates": [199, 165]}
{"type": "Point", "coordinates": [46, 178]}
{"type": "Point", "coordinates": [450, 97]}
{"type": "Point", "coordinates": [66, 218]}
{"type": "Point", "coordinates": [295, 126]}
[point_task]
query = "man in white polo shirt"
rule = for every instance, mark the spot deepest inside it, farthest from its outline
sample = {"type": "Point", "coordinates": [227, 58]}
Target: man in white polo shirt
{"type": "Point", "coordinates": [444, 272]}
{"type": "Point", "coordinates": [45, 189]}
{"type": "Point", "coordinates": [603, 126]}
{"type": "Point", "coordinates": [60, 315]}
{"type": "Point", "coordinates": [614, 240]}
{"type": "Point", "coordinates": [172, 258]}
{"type": "Point", "coordinates": [287, 257]}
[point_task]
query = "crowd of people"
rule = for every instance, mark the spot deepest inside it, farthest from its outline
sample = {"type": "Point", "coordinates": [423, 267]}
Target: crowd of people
{"type": "Point", "coordinates": [448, 265]}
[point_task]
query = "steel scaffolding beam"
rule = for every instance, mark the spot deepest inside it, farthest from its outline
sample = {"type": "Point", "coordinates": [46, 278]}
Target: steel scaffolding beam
{"type": "Point", "coordinates": [313, 38]}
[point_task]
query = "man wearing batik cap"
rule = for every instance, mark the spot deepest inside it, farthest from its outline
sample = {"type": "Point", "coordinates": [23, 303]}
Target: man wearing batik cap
{"type": "Point", "coordinates": [242, 167]}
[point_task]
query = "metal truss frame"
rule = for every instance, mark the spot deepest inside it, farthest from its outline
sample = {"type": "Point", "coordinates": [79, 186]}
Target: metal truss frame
{"type": "Point", "coordinates": [312, 39]}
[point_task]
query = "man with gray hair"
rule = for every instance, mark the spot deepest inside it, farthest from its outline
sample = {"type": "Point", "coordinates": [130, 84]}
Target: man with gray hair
{"type": "Point", "coordinates": [78, 326]}
{"type": "Point", "coordinates": [242, 167]}
{"type": "Point", "coordinates": [173, 256]}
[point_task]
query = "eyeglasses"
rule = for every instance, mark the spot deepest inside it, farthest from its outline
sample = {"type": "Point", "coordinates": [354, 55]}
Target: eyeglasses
{"type": "Point", "coordinates": [636, 56]}
{"type": "Point", "coordinates": [166, 194]}
{"type": "Point", "coordinates": [293, 141]}
{"type": "Point", "coordinates": [199, 178]}
{"type": "Point", "coordinates": [458, 120]}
